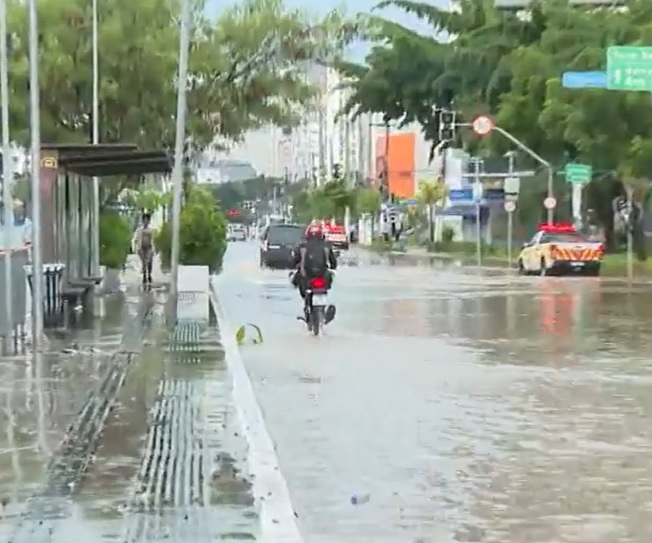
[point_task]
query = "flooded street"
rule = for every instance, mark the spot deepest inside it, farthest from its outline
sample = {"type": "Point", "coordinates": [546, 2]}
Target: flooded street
{"type": "Point", "coordinates": [450, 404]}
{"type": "Point", "coordinates": [444, 404]}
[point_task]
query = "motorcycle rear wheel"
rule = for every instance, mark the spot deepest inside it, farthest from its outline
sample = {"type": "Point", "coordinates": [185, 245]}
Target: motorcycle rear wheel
{"type": "Point", "coordinates": [316, 319]}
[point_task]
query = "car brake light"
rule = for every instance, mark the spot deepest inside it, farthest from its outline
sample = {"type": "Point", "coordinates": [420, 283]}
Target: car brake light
{"type": "Point", "coordinates": [557, 228]}
{"type": "Point", "coordinates": [318, 282]}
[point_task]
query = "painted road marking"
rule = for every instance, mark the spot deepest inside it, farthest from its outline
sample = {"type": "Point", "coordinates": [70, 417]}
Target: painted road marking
{"type": "Point", "coordinates": [277, 519]}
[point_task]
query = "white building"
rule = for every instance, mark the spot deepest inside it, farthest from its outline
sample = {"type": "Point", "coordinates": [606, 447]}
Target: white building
{"type": "Point", "coordinates": [322, 139]}
{"type": "Point", "coordinates": [326, 137]}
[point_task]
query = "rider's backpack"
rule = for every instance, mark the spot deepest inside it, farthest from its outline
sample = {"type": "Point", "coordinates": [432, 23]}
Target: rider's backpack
{"type": "Point", "coordinates": [315, 261]}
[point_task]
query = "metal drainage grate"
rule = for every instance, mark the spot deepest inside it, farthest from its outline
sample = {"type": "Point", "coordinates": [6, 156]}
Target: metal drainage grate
{"type": "Point", "coordinates": [186, 336]}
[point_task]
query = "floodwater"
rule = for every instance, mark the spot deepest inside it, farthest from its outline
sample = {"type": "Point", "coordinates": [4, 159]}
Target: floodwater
{"type": "Point", "coordinates": [122, 433]}
{"type": "Point", "coordinates": [456, 404]}
{"type": "Point", "coordinates": [444, 404]}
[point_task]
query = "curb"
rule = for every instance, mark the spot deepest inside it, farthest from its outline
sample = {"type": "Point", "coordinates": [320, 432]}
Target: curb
{"type": "Point", "coordinates": [278, 522]}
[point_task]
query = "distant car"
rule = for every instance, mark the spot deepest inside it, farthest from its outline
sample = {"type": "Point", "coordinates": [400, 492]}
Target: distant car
{"type": "Point", "coordinates": [336, 235]}
{"type": "Point", "coordinates": [559, 249]}
{"type": "Point", "coordinates": [236, 232]}
{"type": "Point", "coordinates": [277, 245]}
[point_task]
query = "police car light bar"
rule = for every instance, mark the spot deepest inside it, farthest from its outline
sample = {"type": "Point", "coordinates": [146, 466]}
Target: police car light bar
{"type": "Point", "coordinates": [557, 228]}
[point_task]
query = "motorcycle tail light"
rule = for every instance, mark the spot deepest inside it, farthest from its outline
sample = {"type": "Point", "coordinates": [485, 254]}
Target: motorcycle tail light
{"type": "Point", "coordinates": [318, 282]}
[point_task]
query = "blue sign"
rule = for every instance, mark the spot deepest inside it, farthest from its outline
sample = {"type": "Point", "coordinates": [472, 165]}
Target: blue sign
{"type": "Point", "coordinates": [584, 80]}
{"type": "Point", "coordinates": [460, 195]}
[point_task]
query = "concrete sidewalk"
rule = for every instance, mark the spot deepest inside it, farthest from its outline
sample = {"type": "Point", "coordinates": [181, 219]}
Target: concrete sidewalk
{"type": "Point", "coordinates": [126, 430]}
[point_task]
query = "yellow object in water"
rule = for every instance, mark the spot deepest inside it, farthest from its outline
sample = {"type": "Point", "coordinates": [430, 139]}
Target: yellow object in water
{"type": "Point", "coordinates": [241, 334]}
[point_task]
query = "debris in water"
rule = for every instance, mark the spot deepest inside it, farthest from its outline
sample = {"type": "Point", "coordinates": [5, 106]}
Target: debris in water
{"type": "Point", "coordinates": [360, 500]}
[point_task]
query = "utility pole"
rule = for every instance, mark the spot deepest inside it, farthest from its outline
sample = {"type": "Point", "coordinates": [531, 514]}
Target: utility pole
{"type": "Point", "coordinates": [347, 148]}
{"type": "Point", "coordinates": [7, 171]}
{"type": "Point", "coordinates": [95, 216]}
{"type": "Point", "coordinates": [177, 173]}
{"type": "Point", "coordinates": [370, 149]}
{"type": "Point", "coordinates": [322, 142]}
{"type": "Point", "coordinates": [35, 130]}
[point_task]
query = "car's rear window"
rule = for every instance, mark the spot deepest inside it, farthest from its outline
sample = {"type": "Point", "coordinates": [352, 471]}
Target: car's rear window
{"type": "Point", "coordinates": [566, 238]}
{"type": "Point", "coordinates": [285, 234]}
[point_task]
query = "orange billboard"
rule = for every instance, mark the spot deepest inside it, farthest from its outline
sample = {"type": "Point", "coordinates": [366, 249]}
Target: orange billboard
{"type": "Point", "coordinates": [399, 162]}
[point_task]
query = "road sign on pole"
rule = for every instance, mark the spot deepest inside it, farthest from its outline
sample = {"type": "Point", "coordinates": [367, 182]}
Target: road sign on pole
{"type": "Point", "coordinates": [512, 186]}
{"type": "Point", "coordinates": [482, 125]}
{"type": "Point", "coordinates": [478, 191]}
{"type": "Point", "coordinates": [510, 207]}
{"type": "Point", "coordinates": [460, 195]}
{"type": "Point", "coordinates": [629, 68]}
{"type": "Point", "coordinates": [550, 203]}
{"type": "Point", "coordinates": [578, 174]}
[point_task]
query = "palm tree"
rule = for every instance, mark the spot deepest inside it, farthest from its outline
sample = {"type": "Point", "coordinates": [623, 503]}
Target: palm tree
{"type": "Point", "coordinates": [430, 194]}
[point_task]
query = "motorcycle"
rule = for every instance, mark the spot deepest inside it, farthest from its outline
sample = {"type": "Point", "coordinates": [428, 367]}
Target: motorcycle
{"type": "Point", "coordinates": [316, 304]}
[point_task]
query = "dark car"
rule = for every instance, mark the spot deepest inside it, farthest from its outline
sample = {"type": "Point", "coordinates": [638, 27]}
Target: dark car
{"type": "Point", "coordinates": [278, 243]}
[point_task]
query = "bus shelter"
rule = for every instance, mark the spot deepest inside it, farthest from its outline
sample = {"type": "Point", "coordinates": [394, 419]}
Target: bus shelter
{"type": "Point", "coordinates": [67, 206]}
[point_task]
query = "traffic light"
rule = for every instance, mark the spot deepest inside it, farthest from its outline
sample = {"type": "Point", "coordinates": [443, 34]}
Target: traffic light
{"type": "Point", "coordinates": [337, 171]}
{"type": "Point", "coordinates": [446, 124]}
{"type": "Point", "coordinates": [232, 212]}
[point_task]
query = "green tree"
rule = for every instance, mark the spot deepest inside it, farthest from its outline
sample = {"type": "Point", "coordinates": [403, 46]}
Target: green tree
{"type": "Point", "coordinates": [251, 53]}
{"type": "Point", "coordinates": [203, 233]}
{"type": "Point", "coordinates": [328, 200]}
{"type": "Point", "coordinates": [147, 197]}
{"type": "Point", "coordinates": [510, 66]}
{"type": "Point", "coordinates": [430, 194]}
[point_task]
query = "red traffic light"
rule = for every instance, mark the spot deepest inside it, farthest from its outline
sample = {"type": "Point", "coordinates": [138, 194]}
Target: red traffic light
{"type": "Point", "coordinates": [232, 212]}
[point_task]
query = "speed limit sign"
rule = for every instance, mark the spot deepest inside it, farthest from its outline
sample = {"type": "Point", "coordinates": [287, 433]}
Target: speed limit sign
{"type": "Point", "coordinates": [549, 203]}
{"type": "Point", "coordinates": [482, 125]}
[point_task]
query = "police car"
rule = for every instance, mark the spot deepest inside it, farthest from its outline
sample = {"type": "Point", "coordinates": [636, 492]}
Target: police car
{"type": "Point", "coordinates": [558, 249]}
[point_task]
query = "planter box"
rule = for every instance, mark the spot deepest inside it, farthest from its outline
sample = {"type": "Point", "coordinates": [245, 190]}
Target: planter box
{"type": "Point", "coordinates": [111, 281]}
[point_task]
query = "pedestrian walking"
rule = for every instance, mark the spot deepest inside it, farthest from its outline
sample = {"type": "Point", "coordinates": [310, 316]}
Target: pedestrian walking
{"type": "Point", "coordinates": [144, 241]}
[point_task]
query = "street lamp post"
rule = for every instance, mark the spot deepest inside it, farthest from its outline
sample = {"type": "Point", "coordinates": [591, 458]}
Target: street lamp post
{"type": "Point", "coordinates": [537, 157]}
{"type": "Point", "coordinates": [7, 169]}
{"type": "Point", "coordinates": [95, 226]}
{"type": "Point", "coordinates": [177, 173]}
{"type": "Point", "coordinates": [35, 130]}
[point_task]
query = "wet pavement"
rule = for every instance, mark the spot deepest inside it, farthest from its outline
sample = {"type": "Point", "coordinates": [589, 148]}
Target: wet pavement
{"type": "Point", "coordinates": [455, 404]}
{"type": "Point", "coordinates": [123, 432]}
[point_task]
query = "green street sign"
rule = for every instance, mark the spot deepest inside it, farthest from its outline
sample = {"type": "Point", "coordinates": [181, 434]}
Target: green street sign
{"type": "Point", "coordinates": [629, 68]}
{"type": "Point", "coordinates": [578, 174]}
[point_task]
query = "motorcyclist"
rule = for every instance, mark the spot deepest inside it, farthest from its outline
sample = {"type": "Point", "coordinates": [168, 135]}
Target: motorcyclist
{"type": "Point", "coordinates": [313, 258]}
